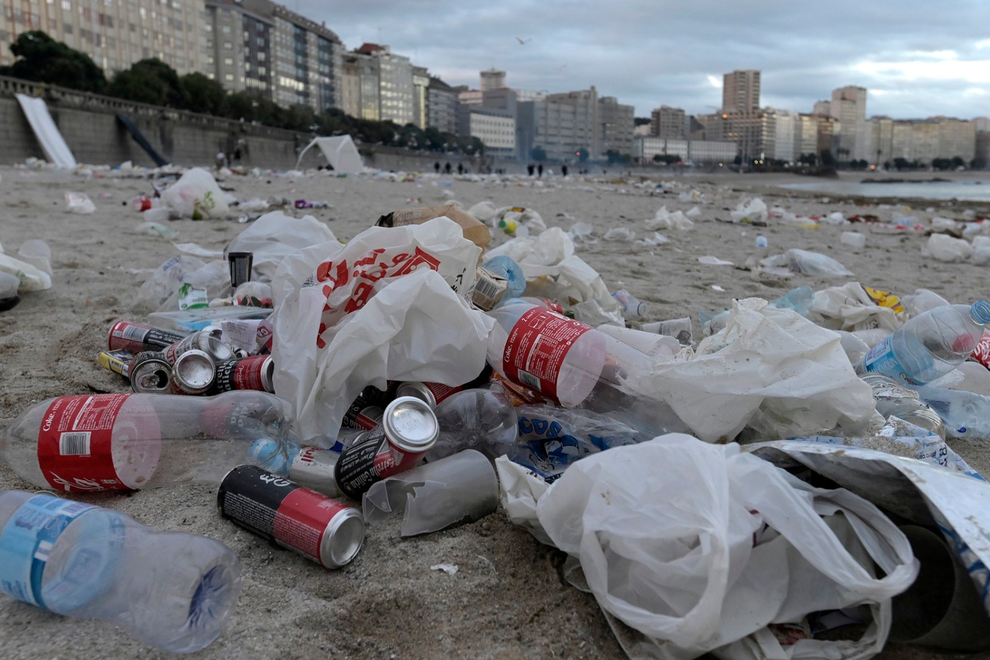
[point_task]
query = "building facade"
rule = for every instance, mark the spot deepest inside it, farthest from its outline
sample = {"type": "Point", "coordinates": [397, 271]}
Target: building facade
{"type": "Point", "coordinates": [492, 79]}
{"type": "Point", "coordinates": [699, 152]}
{"type": "Point", "coordinates": [617, 124]}
{"type": "Point", "coordinates": [441, 106]}
{"type": "Point", "coordinates": [754, 132]}
{"type": "Point", "coordinates": [848, 105]}
{"type": "Point", "coordinates": [881, 139]}
{"type": "Point", "coordinates": [421, 82]}
{"type": "Point", "coordinates": [741, 91]}
{"type": "Point", "coordinates": [495, 129]}
{"type": "Point", "coordinates": [785, 131]}
{"type": "Point", "coordinates": [924, 140]}
{"type": "Point", "coordinates": [114, 34]}
{"type": "Point", "coordinates": [667, 122]}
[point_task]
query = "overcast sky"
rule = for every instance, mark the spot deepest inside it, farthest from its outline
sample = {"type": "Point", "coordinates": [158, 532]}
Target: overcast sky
{"type": "Point", "coordinates": [917, 58]}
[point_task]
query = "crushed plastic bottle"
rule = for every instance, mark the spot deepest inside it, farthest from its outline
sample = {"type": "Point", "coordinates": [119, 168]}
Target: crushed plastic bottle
{"type": "Point", "coordinates": [169, 590]}
{"type": "Point", "coordinates": [632, 307]}
{"type": "Point", "coordinates": [931, 344]}
{"type": "Point", "coordinates": [481, 419]}
{"type": "Point", "coordinates": [134, 441]}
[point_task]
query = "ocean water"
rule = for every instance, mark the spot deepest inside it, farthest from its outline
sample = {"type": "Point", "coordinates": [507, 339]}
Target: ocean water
{"type": "Point", "coordinates": [963, 190]}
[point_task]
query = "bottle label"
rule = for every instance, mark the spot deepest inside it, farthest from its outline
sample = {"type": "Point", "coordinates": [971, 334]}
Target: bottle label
{"type": "Point", "coordinates": [74, 448]}
{"type": "Point", "coordinates": [982, 352]}
{"type": "Point", "coordinates": [536, 348]}
{"type": "Point", "coordinates": [27, 541]}
{"type": "Point", "coordinates": [881, 359]}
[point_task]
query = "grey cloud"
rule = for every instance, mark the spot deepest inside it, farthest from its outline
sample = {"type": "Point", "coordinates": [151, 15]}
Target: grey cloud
{"type": "Point", "coordinates": [648, 52]}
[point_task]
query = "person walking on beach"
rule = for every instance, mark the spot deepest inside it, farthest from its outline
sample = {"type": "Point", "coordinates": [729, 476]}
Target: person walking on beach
{"type": "Point", "coordinates": [530, 168]}
{"type": "Point", "coordinates": [563, 170]}
{"type": "Point", "coordinates": [221, 160]}
{"type": "Point", "coordinates": [539, 171]}
{"type": "Point", "coordinates": [436, 167]}
{"type": "Point", "coordinates": [460, 168]}
{"type": "Point", "coordinates": [446, 168]}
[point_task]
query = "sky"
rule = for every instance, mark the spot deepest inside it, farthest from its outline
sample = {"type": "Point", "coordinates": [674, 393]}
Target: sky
{"type": "Point", "coordinates": [917, 58]}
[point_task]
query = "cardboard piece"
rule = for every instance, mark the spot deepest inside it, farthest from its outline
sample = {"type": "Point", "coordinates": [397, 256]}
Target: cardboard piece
{"type": "Point", "coordinates": [474, 231]}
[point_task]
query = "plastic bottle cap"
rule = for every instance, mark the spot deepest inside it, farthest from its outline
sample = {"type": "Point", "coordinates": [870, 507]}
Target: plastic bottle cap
{"type": "Point", "coordinates": [980, 311]}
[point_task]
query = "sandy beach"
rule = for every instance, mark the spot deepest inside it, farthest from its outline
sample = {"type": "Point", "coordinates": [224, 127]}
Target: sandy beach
{"type": "Point", "coordinates": [508, 600]}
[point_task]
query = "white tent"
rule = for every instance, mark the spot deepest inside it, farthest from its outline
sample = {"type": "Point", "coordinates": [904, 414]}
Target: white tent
{"type": "Point", "coordinates": [51, 140]}
{"type": "Point", "coordinates": [340, 152]}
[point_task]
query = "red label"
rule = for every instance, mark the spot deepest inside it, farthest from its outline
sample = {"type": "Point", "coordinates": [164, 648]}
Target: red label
{"type": "Point", "coordinates": [302, 519]}
{"type": "Point", "coordinates": [982, 352]}
{"type": "Point", "coordinates": [369, 418]}
{"type": "Point", "coordinates": [536, 348]}
{"type": "Point", "coordinates": [441, 391]}
{"type": "Point", "coordinates": [74, 443]}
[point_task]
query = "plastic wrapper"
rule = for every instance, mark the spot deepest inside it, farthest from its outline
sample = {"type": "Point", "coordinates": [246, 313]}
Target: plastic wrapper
{"type": "Point", "coordinates": [458, 489]}
{"type": "Point", "coordinates": [196, 195]}
{"type": "Point", "coordinates": [767, 361]}
{"type": "Point", "coordinates": [943, 247]}
{"type": "Point", "coordinates": [813, 263]}
{"type": "Point", "coordinates": [750, 210]}
{"type": "Point", "coordinates": [664, 219]}
{"type": "Point", "coordinates": [274, 236]}
{"type": "Point", "coordinates": [388, 305]}
{"type": "Point", "coordinates": [79, 203]}
{"type": "Point", "coordinates": [850, 307]}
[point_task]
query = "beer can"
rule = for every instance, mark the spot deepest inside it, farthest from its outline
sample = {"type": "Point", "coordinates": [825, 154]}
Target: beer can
{"type": "Point", "coordinates": [363, 413]}
{"type": "Point", "coordinates": [305, 465]}
{"type": "Point", "coordinates": [408, 431]}
{"type": "Point", "coordinates": [150, 373]}
{"type": "Point", "coordinates": [240, 267]}
{"type": "Point", "coordinates": [118, 361]}
{"type": "Point", "coordinates": [137, 338]}
{"type": "Point", "coordinates": [205, 341]}
{"type": "Point", "coordinates": [193, 372]}
{"type": "Point", "coordinates": [320, 528]}
{"type": "Point", "coordinates": [249, 373]}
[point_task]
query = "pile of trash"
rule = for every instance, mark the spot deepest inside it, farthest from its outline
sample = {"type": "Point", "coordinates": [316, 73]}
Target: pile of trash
{"type": "Point", "coordinates": [776, 484]}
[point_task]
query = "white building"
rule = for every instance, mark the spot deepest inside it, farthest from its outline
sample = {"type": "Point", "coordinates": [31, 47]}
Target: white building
{"type": "Point", "coordinates": [741, 91]}
{"type": "Point", "coordinates": [696, 151]}
{"type": "Point", "coordinates": [497, 133]}
{"type": "Point", "coordinates": [848, 105]}
{"type": "Point", "coordinates": [785, 130]}
{"type": "Point", "coordinates": [492, 79]}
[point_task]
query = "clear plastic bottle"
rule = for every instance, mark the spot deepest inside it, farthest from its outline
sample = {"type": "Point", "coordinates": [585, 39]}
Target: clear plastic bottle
{"type": "Point", "coordinates": [577, 366]}
{"type": "Point", "coordinates": [931, 344]}
{"type": "Point", "coordinates": [965, 414]}
{"type": "Point", "coordinates": [134, 441]}
{"type": "Point", "coordinates": [481, 419]}
{"type": "Point", "coordinates": [170, 590]}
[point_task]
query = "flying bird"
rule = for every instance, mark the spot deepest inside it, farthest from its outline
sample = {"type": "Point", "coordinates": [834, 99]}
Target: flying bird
{"type": "Point", "coordinates": [523, 42]}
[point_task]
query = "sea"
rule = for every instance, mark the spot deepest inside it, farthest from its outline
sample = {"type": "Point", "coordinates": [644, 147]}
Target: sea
{"type": "Point", "coordinates": [977, 191]}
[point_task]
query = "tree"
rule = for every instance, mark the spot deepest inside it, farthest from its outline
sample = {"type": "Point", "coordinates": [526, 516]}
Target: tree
{"type": "Point", "coordinates": [582, 154]}
{"type": "Point", "coordinates": [202, 94]}
{"type": "Point", "coordinates": [958, 162]}
{"type": "Point", "coordinates": [616, 158]}
{"type": "Point", "coordinates": [828, 160]}
{"type": "Point", "coordinates": [538, 153]}
{"type": "Point", "coordinates": [150, 81]}
{"type": "Point", "coordinates": [42, 59]}
{"type": "Point", "coordinates": [639, 121]}
{"type": "Point", "coordinates": [665, 158]}
{"type": "Point", "coordinates": [808, 159]}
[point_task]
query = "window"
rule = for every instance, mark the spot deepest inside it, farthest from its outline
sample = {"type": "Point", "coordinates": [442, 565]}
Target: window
{"type": "Point", "coordinates": [229, 77]}
{"type": "Point", "coordinates": [67, 6]}
{"type": "Point", "coordinates": [229, 61]}
{"type": "Point", "coordinates": [225, 29]}
{"type": "Point", "coordinates": [227, 45]}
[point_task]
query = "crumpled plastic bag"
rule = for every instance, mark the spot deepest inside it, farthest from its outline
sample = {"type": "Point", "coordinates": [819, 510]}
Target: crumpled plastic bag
{"type": "Point", "coordinates": [553, 271]}
{"type": "Point", "coordinates": [196, 195]}
{"type": "Point", "coordinates": [31, 276]}
{"type": "Point", "coordinates": [619, 234]}
{"type": "Point", "coordinates": [79, 203]}
{"type": "Point", "coordinates": [767, 363]}
{"type": "Point", "coordinates": [849, 307]}
{"type": "Point", "coordinates": [746, 545]}
{"type": "Point", "coordinates": [274, 236]}
{"type": "Point", "coordinates": [943, 247]}
{"type": "Point", "coordinates": [750, 210]}
{"type": "Point", "coordinates": [981, 250]}
{"type": "Point", "coordinates": [518, 220]}
{"type": "Point", "coordinates": [382, 307]}
{"type": "Point", "coordinates": [483, 211]}
{"type": "Point", "coordinates": [664, 219]}
{"type": "Point", "coordinates": [807, 263]}
{"type": "Point", "coordinates": [166, 280]}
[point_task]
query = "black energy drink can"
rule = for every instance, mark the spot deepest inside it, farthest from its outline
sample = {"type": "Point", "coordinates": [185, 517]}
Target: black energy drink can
{"type": "Point", "coordinates": [137, 338]}
{"type": "Point", "coordinates": [320, 528]}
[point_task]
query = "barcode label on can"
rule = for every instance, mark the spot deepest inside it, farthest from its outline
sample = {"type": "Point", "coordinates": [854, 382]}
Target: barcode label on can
{"type": "Point", "coordinates": [74, 444]}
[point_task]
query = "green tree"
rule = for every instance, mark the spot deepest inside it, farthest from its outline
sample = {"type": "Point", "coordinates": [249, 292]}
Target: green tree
{"type": "Point", "coordinates": [202, 94]}
{"type": "Point", "coordinates": [958, 162]}
{"type": "Point", "coordinates": [538, 153]}
{"type": "Point", "coordinates": [150, 81]}
{"type": "Point", "coordinates": [582, 154]}
{"type": "Point", "coordinates": [664, 158]}
{"type": "Point", "coordinates": [828, 160]}
{"type": "Point", "coordinates": [42, 59]}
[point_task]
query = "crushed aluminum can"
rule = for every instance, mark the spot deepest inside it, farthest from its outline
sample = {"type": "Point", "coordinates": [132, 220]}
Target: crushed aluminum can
{"type": "Point", "coordinates": [193, 372]}
{"type": "Point", "coordinates": [150, 373]}
{"type": "Point", "coordinates": [205, 341]}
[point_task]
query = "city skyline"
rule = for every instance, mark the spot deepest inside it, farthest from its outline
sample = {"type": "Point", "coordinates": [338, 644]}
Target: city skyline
{"type": "Point", "coordinates": [914, 62]}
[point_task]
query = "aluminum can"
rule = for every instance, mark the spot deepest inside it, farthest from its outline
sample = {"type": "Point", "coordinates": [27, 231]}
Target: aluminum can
{"type": "Point", "coordinates": [205, 341]}
{"type": "Point", "coordinates": [136, 338]}
{"type": "Point", "coordinates": [249, 373]}
{"type": "Point", "coordinates": [408, 431]}
{"type": "Point", "coordinates": [320, 528]}
{"type": "Point", "coordinates": [193, 372]}
{"type": "Point", "coordinates": [150, 373]}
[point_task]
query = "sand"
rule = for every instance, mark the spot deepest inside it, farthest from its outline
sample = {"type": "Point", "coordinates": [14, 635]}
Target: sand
{"type": "Point", "coordinates": [508, 599]}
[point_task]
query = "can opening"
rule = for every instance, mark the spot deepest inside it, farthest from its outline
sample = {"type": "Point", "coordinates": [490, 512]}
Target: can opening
{"type": "Point", "coordinates": [347, 540]}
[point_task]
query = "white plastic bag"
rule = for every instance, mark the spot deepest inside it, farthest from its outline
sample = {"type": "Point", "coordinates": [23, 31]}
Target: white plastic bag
{"type": "Point", "coordinates": [767, 361]}
{"type": "Point", "coordinates": [745, 546]}
{"type": "Point", "coordinates": [664, 219]}
{"type": "Point", "coordinates": [276, 235]}
{"type": "Point", "coordinates": [946, 248]}
{"type": "Point", "coordinates": [849, 308]}
{"type": "Point", "coordinates": [382, 307]}
{"type": "Point", "coordinates": [981, 250]}
{"type": "Point", "coordinates": [196, 195]}
{"type": "Point", "coordinates": [31, 278]}
{"type": "Point", "coordinates": [813, 263]}
{"type": "Point", "coordinates": [750, 210]}
{"type": "Point", "coordinates": [79, 203]}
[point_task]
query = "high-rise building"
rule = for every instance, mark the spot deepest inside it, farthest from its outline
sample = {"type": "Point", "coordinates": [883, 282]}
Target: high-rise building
{"type": "Point", "coordinates": [395, 83]}
{"type": "Point", "coordinates": [421, 82]}
{"type": "Point", "coordinates": [441, 106]}
{"type": "Point", "coordinates": [564, 124]}
{"type": "Point", "coordinates": [785, 130]}
{"type": "Point", "coordinates": [754, 132]}
{"type": "Point", "coordinates": [924, 140]}
{"type": "Point", "coordinates": [492, 79]}
{"type": "Point", "coordinates": [822, 108]}
{"type": "Point", "coordinates": [115, 34]}
{"type": "Point", "coordinates": [848, 105]}
{"type": "Point", "coordinates": [741, 91]}
{"type": "Point", "coordinates": [262, 46]}
{"type": "Point", "coordinates": [982, 157]}
{"type": "Point", "coordinates": [881, 139]}
{"type": "Point", "coordinates": [668, 122]}
{"type": "Point", "coordinates": [617, 122]}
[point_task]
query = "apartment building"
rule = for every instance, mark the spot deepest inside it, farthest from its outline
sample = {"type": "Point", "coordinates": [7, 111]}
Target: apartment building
{"type": "Point", "coordinates": [441, 106]}
{"type": "Point", "coordinates": [741, 91]}
{"type": "Point", "coordinates": [668, 122]}
{"type": "Point", "coordinates": [699, 152]}
{"type": "Point", "coordinates": [924, 140]}
{"type": "Point", "coordinates": [848, 106]}
{"type": "Point", "coordinates": [115, 34]}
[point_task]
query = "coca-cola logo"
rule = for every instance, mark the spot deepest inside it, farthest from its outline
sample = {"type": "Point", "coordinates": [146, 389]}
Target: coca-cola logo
{"type": "Point", "coordinates": [50, 418]}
